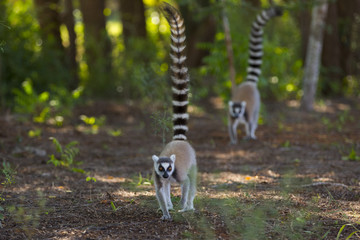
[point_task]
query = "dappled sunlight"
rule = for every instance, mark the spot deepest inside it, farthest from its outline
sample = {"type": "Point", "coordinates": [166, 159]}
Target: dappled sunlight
{"type": "Point", "coordinates": [217, 102]}
{"type": "Point", "coordinates": [234, 178]}
{"type": "Point", "coordinates": [114, 28]}
{"type": "Point", "coordinates": [293, 103]}
{"type": "Point", "coordinates": [196, 111]}
{"type": "Point", "coordinates": [132, 194]}
{"type": "Point", "coordinates": [110, 179]}
{"type": "Point", "coordinates": [95, 77]}
{"type": "Point", "coordinates": [221, 156]}
{"type": "Point", "coordinates": [330, 107]}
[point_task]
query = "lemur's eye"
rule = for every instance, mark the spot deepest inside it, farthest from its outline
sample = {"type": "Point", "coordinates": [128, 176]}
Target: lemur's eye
{"type": "Point", "coordinates": [161, 168]}
{"type": "Point", "coordinates": [169, 169]}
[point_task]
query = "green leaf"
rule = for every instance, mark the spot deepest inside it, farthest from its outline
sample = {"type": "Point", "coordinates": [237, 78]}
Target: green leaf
{"type": "Point", "coordinates": [79, 170]}
{"type": "Point", "coordinates": [348, 237]}
{"type": "Point", "coordinates": [339, 233]}
{"type": "Point", "coordinates": [113, 206]}
{"type": "Point", "coordinates": [57, 145]}
{"type": "Point", "coordinates": [91, 179]}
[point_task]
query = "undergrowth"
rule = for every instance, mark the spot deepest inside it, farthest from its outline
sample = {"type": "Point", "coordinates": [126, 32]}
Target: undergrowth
{"type": "Point", "coordinates": [7, 176]}
{"type": "Point", "coordinates": [66, 156]}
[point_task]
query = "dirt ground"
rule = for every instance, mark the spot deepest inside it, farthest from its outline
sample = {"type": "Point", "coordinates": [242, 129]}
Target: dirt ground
{"type": "Point", "coordinates": [294, 182]}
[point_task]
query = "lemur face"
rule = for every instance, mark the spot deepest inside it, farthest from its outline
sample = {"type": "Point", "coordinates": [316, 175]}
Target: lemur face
{"type": "Point", "coordinates": [164, 166]}
{"type": "Point", "coordinates": [237, 109]}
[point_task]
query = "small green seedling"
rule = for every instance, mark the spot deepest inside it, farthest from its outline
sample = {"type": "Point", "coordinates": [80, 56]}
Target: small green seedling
{"type": "Point", "coordinates": [93, 122]}
{"type": "Point", "coordinates": [88, 179]}
{"type": "Point", "coordinates": [162, 124]}
{"type": "Point", "coordinates": [286, 144]}
{"type": "Point", "coordinates": [352, 156]}
{"type": "Point", "coordinates": [113, 207]}
{"type": "Point", "coordinates": [144, 181]}
{"type": "Point", "coordinates": [1, 215]}
{"type": "Point", "coordinates": [67, 155]}
{"type": "Point", "coordinates": [356, 232]}
{"type": "Point", "coordinates": [34, 133]}
{"type": "Point", "coordinates": [114, 132]}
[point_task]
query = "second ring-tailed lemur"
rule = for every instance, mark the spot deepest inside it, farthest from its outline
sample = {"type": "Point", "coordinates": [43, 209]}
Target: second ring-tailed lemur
{"type": "Point", "coordinates": [177, 162]}
{"type": "Point", "coordinates": [244, 105]}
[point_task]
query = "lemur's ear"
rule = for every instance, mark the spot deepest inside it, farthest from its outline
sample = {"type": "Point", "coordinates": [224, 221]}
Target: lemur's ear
{"type": "Point", "coordinates": [231, 103]}
{"type": "Point", "coordinates": [173, 157]}
{"type": "Point", "coordinates": [155, 158]}
{"type": "Point", "coordinates": [243, 103]}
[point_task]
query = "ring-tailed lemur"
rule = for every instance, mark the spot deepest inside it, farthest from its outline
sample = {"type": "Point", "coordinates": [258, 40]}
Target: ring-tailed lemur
{"type": "Point", "coordinates": [244, 105]}
{"type": "Point", "coordinates": [177, 162]}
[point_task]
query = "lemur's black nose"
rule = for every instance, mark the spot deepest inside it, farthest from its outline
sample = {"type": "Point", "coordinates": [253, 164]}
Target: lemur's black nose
{"type": "Point", "coordinates": [166, 175]}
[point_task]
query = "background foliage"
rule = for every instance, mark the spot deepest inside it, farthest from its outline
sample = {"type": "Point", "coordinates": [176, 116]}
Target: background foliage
{"type": "Point", "coordinates": [134, 66]}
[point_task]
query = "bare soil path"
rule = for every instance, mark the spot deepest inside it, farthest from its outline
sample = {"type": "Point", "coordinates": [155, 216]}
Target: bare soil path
{"type": "Point", "coordinates": [297, 181]}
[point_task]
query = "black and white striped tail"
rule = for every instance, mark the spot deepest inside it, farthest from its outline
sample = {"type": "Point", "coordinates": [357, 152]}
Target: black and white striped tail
{"type": "Point", "coordinates": [179, 71]}
{"type": "Point", "coordinates": [256, 39]}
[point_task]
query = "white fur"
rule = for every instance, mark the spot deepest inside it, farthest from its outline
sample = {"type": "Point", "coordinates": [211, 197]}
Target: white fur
{"type": "Point", "coordinates": [252, 77]}
{"type": "Point", "coordinates": [256, 54]}
{"type": "Point", "coordinates": [176, 31]}
{"type": "Point", "coordinates": [177, 60]}
{"type": "Point", "coordinates": [183, 127]}
{"type": "Point", "coordinates": [181, 115]}
{"type": "Point", "coordinates": [180, 92]}
{"type": "Point", "coordinates": [256, 25]}
{"type": "Point", "coordinates": [257, 47]}
{"type": "Point", "coordinates": [265, 15]}
{"type": "Point", "coordinates": [258, 62]}
{"type": "Point", "coordinates": [257, 32]}
{"type": "Point", "coordinates": [256, 70]}
{"type": "Point", "coordinates": [178, 40]}
{"type": "Point", "coordinates": [256, 39]}
{"type": "Point", "coordinates": [179, 137]}
{"type": "Point", "coordinates": [182, 70]}
{"type": "Point", "coordinates": [155, 158]}
{"type": "Point", "coordinates": [261, 20]}
{"type": "Point", "coordinates": [180, 104]}
{"type": "Point", "coordinates": [177, 49]}
{"type": "Point", "coordinates": [179, 81]}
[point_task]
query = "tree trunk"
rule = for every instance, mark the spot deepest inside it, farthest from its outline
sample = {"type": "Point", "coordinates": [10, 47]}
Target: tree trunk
{"type": "Point", "coordinates": [133, 19]}
{"type": "Point", "coordinates": [303, 19]}
{"type": "Point", "coordinates": [68, 19]}
{"type": "Point", "coordinates": [229, 48]}
{"type": "Point", "coordinates": [255, 3]}
{"type": "Point", "coordinates": [198, 30]}
{"type": "Point", "coordinates": [330, 59]}
{"type": "Point", "coordinates": [49, 20]}
{"type": "Point", "coordinates": [313, 54]}
{"type": "Point", "coordinates": [97, 47]}
{"type": "Point", "coordinates": [338, 56]}
{"type": "Point", "coordinates": [346, 11]}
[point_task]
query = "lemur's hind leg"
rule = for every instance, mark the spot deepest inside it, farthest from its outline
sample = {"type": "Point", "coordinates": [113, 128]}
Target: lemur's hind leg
{"type": "Point", "coordinates": [192, 191]}
{"type": "Point", "coordinates": [185, 186]}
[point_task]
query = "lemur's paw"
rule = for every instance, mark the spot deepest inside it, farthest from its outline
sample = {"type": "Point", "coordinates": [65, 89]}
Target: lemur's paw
{"type": "Point", "coordinates": [166, 218]}
{"type": "Point", "coordinates": [247, 138]}
{"type": "Point", "coordinates": [187, 209]}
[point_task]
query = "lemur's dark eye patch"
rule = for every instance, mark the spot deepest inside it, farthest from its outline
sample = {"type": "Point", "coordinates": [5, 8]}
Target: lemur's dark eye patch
{"type": "Point", "coordinates": [161, 169]}
{"type": "Point", "coordinates": [169, 169]}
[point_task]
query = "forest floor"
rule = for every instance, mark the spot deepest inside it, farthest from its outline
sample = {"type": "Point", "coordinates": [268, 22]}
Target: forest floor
{"type": "Point", "coordinates": [299, 180]}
